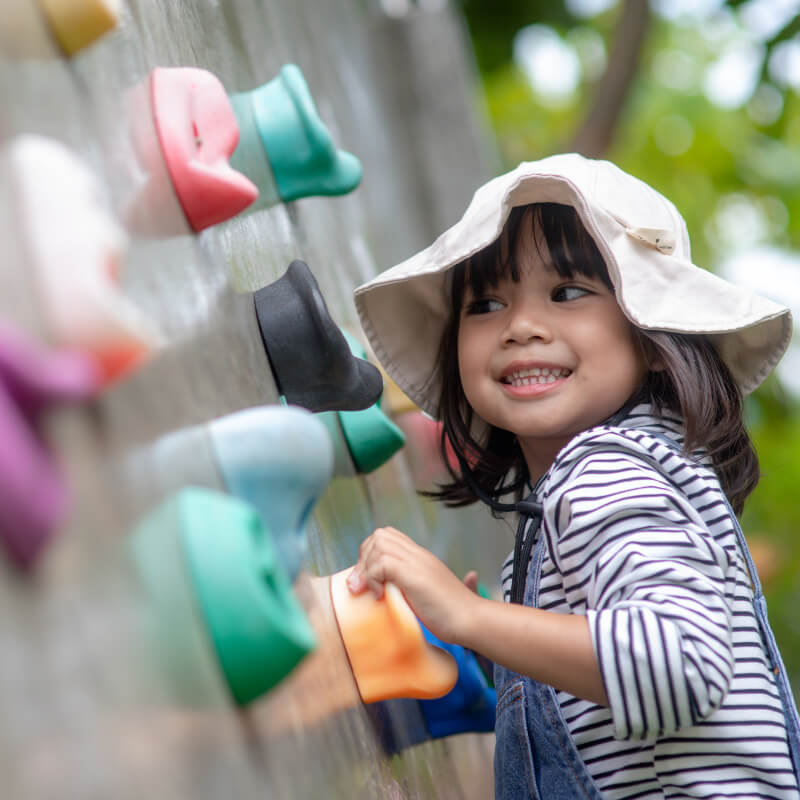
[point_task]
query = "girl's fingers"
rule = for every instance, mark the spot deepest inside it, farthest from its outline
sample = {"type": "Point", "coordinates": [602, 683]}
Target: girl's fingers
{"type": "Point", "coordinates": [471, 581]}
{"type": "Point", "coordinates": [376, 587]}
{"type": "Point", "coordinates": [434, 593]}
{"type": "Point", "coordinates": [386, 546]}
{"type": "Point", "coordinates": [355, 581]}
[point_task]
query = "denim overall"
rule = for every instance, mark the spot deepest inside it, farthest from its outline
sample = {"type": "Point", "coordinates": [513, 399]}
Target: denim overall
{"type": "Point", "coordinates": [535, 755]}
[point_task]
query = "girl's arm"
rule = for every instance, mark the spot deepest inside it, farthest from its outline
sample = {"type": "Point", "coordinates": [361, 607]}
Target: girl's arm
{"type": "Point", "coordinates": [549, 647]}
{"type": "Point", "coordinates": [546, 646]}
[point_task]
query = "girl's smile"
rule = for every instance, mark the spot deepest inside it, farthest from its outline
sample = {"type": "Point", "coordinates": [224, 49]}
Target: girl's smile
{"type": "Point", "coordinates": [526, 379]}
{"type": "Point", "coordinates": [546, 357]}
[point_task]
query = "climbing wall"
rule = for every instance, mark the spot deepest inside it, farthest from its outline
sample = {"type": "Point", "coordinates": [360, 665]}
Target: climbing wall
{"type": "Point", "coordinates": [110, 683]}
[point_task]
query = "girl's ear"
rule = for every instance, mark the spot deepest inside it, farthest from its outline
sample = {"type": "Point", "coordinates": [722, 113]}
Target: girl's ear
{"type": "Point", "coordinates": [652, 359]}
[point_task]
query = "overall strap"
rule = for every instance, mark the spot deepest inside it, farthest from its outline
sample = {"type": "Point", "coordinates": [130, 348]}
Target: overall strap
{"type": "Point", "coordinates": [530, 519]}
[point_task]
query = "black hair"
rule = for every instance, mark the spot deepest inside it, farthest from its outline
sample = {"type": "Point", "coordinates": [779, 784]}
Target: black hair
{"type": "Point", "coordinates": [691, 379]}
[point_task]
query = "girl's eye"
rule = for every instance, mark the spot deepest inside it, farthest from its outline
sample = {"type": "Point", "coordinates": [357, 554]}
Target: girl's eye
{"type": "Point", "coordinates": [565, 293]}
{"type": "Point", "coordinates": [483, 305]}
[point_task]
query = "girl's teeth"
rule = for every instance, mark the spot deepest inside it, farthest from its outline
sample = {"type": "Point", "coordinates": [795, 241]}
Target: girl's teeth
{"type": "Point", "coordinates": [536, 375]}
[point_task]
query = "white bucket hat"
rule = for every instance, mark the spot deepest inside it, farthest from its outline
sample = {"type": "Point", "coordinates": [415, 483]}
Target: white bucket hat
{"type": "Point", "coordinates": [645, 245]}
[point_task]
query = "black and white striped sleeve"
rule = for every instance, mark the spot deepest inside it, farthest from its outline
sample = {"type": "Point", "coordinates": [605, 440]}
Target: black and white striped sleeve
{"type": "Point", "coordinates": [637, 559]}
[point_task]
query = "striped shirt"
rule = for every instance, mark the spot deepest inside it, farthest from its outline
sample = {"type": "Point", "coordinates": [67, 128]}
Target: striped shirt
{"type": "Point", "coordinates": [640, 539]}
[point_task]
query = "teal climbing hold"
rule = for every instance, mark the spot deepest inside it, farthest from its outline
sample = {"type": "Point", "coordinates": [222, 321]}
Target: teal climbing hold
{"type": "Point", "coordinates": [203, 552]}
{"type": "Point", "coordinates": [259, 629]}
{"type": "Point", "coordinates": [298, 146]}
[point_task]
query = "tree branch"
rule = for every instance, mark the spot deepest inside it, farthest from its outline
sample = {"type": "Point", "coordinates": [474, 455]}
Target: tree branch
{"type": "Point", "coordinates": [597, 130]}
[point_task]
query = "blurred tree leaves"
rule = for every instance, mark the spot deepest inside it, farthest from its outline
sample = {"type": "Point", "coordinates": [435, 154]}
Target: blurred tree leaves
{"type": "Point", "coordinates": [493, 25]}
{"type": "Point", "coordinates": [727, 152]}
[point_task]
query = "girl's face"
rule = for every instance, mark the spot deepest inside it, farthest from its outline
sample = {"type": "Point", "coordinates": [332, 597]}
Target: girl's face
{"type": "Point", "coordinates": [546, 357]}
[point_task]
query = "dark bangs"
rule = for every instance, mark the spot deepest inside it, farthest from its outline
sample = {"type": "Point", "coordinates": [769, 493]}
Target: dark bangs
{"type": "Point", "coordinates": [559, 237]}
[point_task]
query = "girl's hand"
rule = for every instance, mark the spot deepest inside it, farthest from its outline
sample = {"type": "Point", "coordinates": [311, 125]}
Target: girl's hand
{"type": "Point", "coordinates": [440, 600]}
{"type": "Point", "coordinates": [547, 646]}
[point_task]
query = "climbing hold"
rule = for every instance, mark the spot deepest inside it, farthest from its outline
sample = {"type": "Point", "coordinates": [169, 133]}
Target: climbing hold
{"type": "Point", "coordinates": [24, 32]}
{"type": "Point", "coordinates": [257, 628]}
{"type": "Point", "coordinates": [469, 707]}
{"type": "Point", "coordinates": [198, 133]}
{"type": "Point", "coordinates": [388, 652]}
{"type": "Point", "coordinates": [76, 24]}
{"type": "Point", "coordinates": [372, 438]}
{"type": "Point", "coordinates": [76, 248]}
{"type": "Point", "coordinates": [280, 119]}
{"type": "Point", "coordinates": [33, 494]}
{"type": "Point", "coordinates": [280, 460]}
{"type": "Point", "coordinates": [310, 358]}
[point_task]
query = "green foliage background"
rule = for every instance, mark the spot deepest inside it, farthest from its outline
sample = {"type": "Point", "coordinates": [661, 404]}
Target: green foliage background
{"type": "Point", "coordinates": [730, 156]}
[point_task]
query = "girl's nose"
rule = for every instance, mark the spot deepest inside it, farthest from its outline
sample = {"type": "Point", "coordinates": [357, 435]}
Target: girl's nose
{"type": "Point", "coordinates": [524, 325]}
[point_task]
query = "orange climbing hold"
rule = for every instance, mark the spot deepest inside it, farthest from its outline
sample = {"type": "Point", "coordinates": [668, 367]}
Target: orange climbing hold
{"type": "Point", "coordinates": [388, 653]}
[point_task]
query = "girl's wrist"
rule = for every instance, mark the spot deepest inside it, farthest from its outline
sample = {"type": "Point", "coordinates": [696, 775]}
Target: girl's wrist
{"type": "Point", "coordinates": [469, 620]}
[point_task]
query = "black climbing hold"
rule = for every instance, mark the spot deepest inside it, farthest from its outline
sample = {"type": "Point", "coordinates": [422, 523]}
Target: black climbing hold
{"type": "Point", "coordinates": [310, 358]}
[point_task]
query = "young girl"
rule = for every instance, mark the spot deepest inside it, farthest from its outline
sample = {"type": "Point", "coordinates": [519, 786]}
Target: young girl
{"type": "Point", "coordinates": [579, 360]}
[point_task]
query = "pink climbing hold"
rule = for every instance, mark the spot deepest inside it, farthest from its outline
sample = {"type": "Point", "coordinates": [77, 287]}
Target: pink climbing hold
{"type": "Point", "coordinates": [198, 133]}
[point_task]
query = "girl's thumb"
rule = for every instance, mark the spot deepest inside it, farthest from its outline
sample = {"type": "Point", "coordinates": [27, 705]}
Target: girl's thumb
{"type": "Point", "coordinates": [471, 581]}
